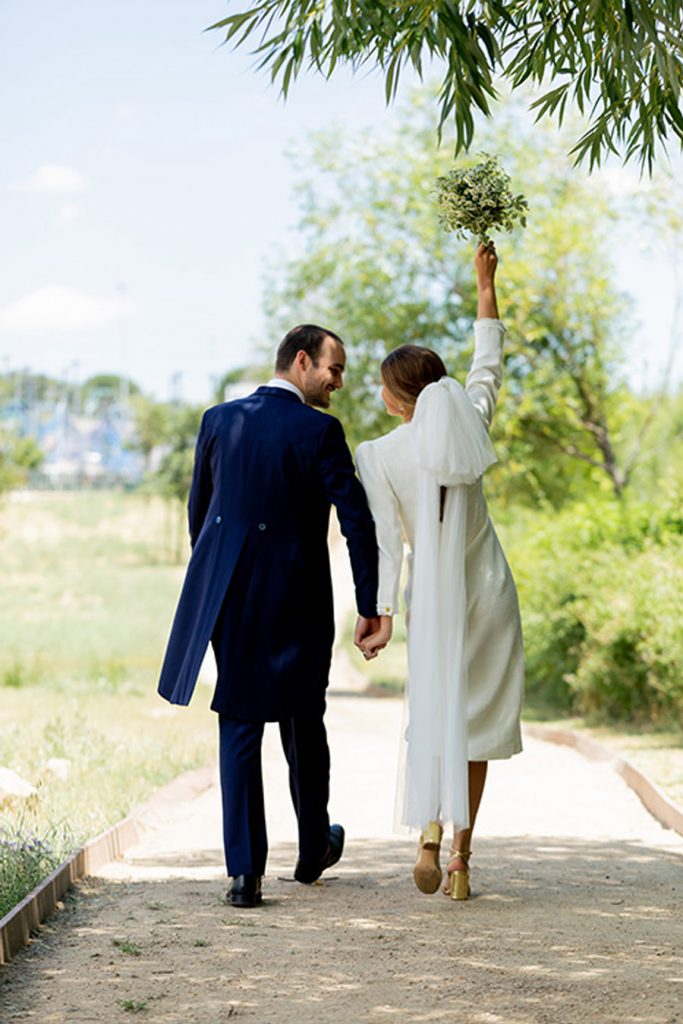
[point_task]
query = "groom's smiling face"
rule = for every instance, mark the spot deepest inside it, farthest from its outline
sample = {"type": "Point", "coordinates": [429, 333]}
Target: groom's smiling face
{"type": "Point", "coordinates": [325, 375]}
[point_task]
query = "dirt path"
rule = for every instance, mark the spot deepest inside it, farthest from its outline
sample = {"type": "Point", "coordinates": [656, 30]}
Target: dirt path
{"type": "Point", "coordinates": [577, 911]}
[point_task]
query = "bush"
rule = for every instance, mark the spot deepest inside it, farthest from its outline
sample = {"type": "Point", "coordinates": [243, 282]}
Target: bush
{"type": "Point", "coordinates": [631, 656]}
{"type": "Point", "coordinates": [601, 587]}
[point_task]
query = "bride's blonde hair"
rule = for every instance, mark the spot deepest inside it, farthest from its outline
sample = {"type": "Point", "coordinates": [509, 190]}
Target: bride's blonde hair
{"type": "Point", "coordinates": [410, 368]}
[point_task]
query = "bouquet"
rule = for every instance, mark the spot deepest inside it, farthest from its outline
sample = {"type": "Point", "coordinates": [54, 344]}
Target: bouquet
{"type": "Point", "coordinates": [477, 199]}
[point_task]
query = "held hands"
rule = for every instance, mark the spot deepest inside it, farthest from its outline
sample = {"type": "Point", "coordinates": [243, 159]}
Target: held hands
{"type": "Point", "coordinates": [372, 635]}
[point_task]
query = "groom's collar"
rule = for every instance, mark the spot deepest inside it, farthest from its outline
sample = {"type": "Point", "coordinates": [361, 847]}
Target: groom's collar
{"type": "Point", "coordinates": [286, 385]}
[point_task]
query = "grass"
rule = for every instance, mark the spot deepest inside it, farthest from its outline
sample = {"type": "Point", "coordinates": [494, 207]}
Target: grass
{"type": "Point", "coordinates": [133, 1005]}
{"type": "Point", "coordinates": [25, 859]}
{"type": "Point", "coordinates": [74, 567]}
{"type": "Point", "coordinates": [86, 604]}
{"type": "Point", "coordinates": [127, 947]}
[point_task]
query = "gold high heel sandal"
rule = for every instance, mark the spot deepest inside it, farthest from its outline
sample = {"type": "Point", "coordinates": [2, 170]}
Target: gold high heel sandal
{"type": "Point", "coordinates": [427, 870]}
{"type": "Point", "coordinates": [459, 880]}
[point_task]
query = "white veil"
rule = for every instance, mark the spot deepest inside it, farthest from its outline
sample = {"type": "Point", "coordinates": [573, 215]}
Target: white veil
{"type": "Point", "coordinates": [453, 450]}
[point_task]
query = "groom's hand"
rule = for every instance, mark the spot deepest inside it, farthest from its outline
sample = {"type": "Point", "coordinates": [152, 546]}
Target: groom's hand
{"type": "Point", "coordinates": [364, 628]}
{"type": "Point", "coordinates": [377, 640]}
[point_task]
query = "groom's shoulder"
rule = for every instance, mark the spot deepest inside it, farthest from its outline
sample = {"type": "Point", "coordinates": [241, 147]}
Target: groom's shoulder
{"type": "Point", "coordinates": [290, 414]}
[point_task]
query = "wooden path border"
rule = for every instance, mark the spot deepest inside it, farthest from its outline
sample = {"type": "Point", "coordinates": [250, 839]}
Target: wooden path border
{"type": "Point", "coordinates": [651, 796]}
{"type": "Point", "coordinates": [17, 926]}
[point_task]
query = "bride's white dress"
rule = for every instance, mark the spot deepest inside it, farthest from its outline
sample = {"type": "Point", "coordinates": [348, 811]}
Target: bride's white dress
{"type": "Point", "coordinates": [492, 650]}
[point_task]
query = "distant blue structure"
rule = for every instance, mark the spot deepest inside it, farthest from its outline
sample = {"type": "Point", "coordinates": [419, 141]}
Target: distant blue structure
{"type": "Point", "coordinates": [92, 448]}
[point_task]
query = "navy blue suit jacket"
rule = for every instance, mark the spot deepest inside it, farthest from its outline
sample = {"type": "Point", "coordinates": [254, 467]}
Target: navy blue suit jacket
{"type": "Point", "coordinates": [267, 469]}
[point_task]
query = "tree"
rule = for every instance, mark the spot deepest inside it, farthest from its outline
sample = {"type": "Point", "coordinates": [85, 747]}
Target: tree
{"type": "Point", "coordinates": [152, 425]}
{"type": "Point", "coordinates": [18, 457]}
{"type": "Point", "coordinates": [254, 373]}
{"type": "Point", "coordinates": [166, 434]}
{"type": "Point", "coordinates": [174, 475]}
{"type": "Point", "coordinates": [22, 387]}
{"type": "Point", "coordinates": [378, 269]}
{"type": "Point", "coordinates": [620, 61]}
{"type": "Point", "coordinates": [105, 388]}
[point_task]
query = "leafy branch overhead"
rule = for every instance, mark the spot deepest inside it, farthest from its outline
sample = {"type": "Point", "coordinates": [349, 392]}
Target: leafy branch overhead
{"type": "Point", "coordinates": [619, 61]}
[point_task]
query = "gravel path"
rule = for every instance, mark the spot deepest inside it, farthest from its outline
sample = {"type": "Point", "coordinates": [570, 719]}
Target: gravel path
{"type": "Point", "coordinates": [576, 913]}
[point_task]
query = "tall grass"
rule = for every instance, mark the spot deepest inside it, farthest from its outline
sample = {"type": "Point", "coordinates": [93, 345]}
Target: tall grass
{"type": "Point", "coordinates": [86, 604]}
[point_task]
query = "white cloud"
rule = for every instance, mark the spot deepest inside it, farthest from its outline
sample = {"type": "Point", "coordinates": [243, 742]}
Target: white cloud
{"type": "Point", "coordinates": [52, 178]}
{"type": "Point", "coordinates": [59, 309]}
{"type": "Point", "coordinates": [69, 212]}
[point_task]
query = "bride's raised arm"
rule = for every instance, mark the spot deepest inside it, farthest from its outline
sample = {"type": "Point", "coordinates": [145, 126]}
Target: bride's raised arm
{"type": "Point", "coordinates": [486, 373]}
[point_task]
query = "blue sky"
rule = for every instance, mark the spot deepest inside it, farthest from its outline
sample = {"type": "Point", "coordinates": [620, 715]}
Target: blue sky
{"type": "Point", "coordinates": [144, 183]}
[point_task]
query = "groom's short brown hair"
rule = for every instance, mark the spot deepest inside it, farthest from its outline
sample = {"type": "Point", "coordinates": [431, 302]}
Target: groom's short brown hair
{"type": "Point", "coordinates": [308, 338]}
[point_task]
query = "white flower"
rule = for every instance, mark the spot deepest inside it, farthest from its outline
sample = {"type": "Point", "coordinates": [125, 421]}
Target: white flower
{"type": "Point", "coordinates": [477, 199]}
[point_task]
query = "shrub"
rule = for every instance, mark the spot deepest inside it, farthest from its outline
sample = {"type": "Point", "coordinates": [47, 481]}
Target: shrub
{"type": "Point", "coordinates": [601, 587]}
{"type": "Point", "coordinates": [631, 657]}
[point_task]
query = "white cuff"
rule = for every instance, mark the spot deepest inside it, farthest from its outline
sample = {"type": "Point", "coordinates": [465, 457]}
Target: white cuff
{"type": "Point", "coordinates": [484, 321]}
{"type": "Point", "coordinates": [385, 609]}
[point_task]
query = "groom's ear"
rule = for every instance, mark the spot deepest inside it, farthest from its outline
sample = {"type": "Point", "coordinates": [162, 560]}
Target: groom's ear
{"type": "Point", "coordinates": [302, 360]}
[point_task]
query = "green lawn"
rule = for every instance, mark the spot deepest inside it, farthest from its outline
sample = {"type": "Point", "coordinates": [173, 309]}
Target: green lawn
{"type": "Point", "coordinates": [86, 603]}
{"type": "Point", "coordinates": [87, 590]}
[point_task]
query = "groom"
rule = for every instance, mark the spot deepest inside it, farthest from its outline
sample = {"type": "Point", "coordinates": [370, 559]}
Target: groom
{"type": "Point", "coordinates": [258, 586]}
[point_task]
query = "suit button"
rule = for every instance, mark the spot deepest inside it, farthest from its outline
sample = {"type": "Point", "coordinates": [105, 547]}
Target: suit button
{"type": "Point", "coordinates": [261, 526]}
{"type": "Point", "coordinates": [218, 519]}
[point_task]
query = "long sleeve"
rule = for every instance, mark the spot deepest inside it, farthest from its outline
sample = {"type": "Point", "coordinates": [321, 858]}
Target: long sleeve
{"type": "Point", "coordinates": [343, 490]}
{"type": "Point", "coordinates": [384, 508]}
{"type": "Point", "coordinates": [486, 373]}
{"type": "Point", "coordinates": [202, 483]}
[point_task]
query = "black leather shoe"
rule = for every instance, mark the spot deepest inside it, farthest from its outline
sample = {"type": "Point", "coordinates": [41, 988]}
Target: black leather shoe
{"type": "Point", "coordinates": [245, 891]}
{"type": "Point", "coordinates": [308, 873]}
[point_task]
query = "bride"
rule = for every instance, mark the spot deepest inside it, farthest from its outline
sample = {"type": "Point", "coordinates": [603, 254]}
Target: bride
{"type": "Point", "coordinates": [465, 655]}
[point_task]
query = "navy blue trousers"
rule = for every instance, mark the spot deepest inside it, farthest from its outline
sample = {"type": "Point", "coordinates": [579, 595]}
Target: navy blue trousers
{"type": "Point", "coordinates": [304, 741]}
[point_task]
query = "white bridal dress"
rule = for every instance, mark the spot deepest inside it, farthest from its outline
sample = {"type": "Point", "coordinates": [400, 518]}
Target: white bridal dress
{"type": "Point", "coordinates": [465, 653]}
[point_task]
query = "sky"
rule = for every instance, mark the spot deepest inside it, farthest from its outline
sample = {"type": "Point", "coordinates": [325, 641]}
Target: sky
{"type": "Point", "coordinates": [144, 183]}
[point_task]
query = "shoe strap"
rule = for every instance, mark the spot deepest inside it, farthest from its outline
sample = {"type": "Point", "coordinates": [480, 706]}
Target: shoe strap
{"type": "Point", "coordinates": [463, 854]}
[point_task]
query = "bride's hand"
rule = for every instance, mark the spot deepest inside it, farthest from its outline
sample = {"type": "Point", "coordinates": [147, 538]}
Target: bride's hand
{"type": "Point", "coordinates": [364, 629]}
{"type": "Point", "coordinates": [371, 645]}
{"type": "Point", "coordinates": [485, 263]}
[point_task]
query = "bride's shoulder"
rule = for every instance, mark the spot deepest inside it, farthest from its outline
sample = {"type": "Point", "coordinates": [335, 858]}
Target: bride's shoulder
{"type": "Point", "coordinates": [383, 453]}
{"type": "Point", "coordinates": [387, 442]}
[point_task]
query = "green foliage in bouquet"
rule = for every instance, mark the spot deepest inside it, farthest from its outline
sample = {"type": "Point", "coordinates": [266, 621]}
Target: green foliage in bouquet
{"type": "Point", "coordinates": [476, 200]}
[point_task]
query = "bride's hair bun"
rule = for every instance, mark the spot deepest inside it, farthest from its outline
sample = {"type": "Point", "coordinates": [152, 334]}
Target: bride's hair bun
{"type": "Point", "coordinates": [410, 368]}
